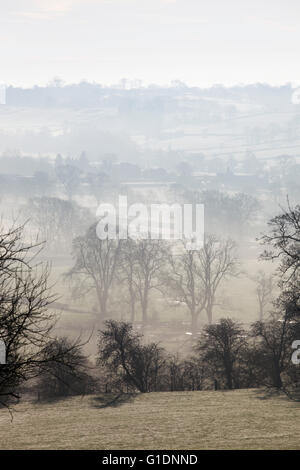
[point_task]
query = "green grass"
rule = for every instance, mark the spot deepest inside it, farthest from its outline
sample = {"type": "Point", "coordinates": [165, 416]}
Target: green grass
{"type": "Point", "coordinates": [180, 420]}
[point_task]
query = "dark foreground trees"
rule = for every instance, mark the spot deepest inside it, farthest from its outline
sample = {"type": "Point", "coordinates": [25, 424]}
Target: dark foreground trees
{"type": "Point", "coordinates": [26, 321]}
{"type": "Point", "coordinates": [225, 357]}
{"type": "Point", "coordinates": [136, 365]}
{"type": "Point", "coordinates": [277, 336]}
{"type": "Point", "coordinates": [71, 375]}
{"type": "Point", "coordinates": [221, 357]}
{"type": "Point", "coordinates": [283, 243]}
{"type": "Point", "coordinates": [130, 364]}
{"type": "Point", "coordinates": [273, 346]}
{"type": "Point", "coordinates": [223, 349]}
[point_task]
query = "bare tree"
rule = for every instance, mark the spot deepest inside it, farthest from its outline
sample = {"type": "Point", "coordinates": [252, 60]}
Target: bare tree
{"type": "Point", "coordinates": [276, 336]}
{"type": "Point", "coordinates": [221, 348]}
{"type": "Point", "coordinates": [96, 264]}
{"type": "Point", "coordinates": [57, 221]}
{"type": "Point", "coordinates": [283, 244]}
{"type": "Point", "coordinates": [185, 280]}
{"type": "Point", "coordinates": [264, 289]}
{"type": "Point", "coordinates": [69, 176]}
{"type": "Point", "coordinates": [226, 214]}
{"type": "Point", "coordinates": [273, 344]}
{"type": "Point", "coordinates": [195, 276]}
{"type": "Point", "coordinates": [187, 374]}
{"type": "Point", "coordinates": [217, 263]}
{"type": "Point", "coordinates": [26, 322]}
{"type": "Point", "coordinates": [66, 377]}
{"type": "Point", "coordinates": [136, 364]}
{"type": "Point", "coordinates": [284, 240]}
{"type": "Point", "coordinates": [148, 257]}
{"type": "Point", "coordinates": [128, 274]}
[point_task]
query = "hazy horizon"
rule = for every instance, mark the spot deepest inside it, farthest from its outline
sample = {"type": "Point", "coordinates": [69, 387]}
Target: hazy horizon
{"type": "Point", "coordinates": [102, 41]}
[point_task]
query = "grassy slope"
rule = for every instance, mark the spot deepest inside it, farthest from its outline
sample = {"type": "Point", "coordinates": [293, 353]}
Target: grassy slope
{"type": "Point", "coordinates": [178, 420]}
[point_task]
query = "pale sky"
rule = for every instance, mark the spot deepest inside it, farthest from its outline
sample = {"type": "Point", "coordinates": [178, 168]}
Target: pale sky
{"type": "Point", "coordinates": [201, 42]}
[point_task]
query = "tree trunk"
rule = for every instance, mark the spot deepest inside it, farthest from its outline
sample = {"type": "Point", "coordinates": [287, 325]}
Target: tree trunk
{"type": "Point", "coordinates": [228, 372]}
{"type": "Point", "coordinates": [194, 323]}
{"type": "Point", "coordinates": [145, 309]}
{"type": "Point", "coordinates": [132, 305]}
{"type": "Point", "coordinates": [277, 377]}
{"type": "Point", "coordinates": [209, 313]}
{"type": "Point", "coordinates": [132, 314]}
{"type": "Point", "coordinates": [102, 301]}
{"type": "Point", "coordinates": [229, 380]}
{"type": "Point", "coordinates": [261, 313]}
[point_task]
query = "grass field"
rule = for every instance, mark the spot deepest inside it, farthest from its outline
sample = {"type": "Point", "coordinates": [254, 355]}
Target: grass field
{"type": "Point", "coordinates": [242, 419]}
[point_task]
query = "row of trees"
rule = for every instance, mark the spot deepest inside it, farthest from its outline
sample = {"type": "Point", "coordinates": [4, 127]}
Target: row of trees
{"type": "Point", "coordinates": [60, 221]}
{"type": "Point", "coordinates": [226, 356]}
{"type": "Point", "coordinates": [139, 267]}
{"type": "Point", "coordinates": [55, 221]}
{"type": "Point", "coordinates": [224, 213]}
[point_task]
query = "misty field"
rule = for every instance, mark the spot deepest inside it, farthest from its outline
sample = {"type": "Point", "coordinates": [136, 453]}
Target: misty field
{"type": "Point", "coordinates": [241, 419]}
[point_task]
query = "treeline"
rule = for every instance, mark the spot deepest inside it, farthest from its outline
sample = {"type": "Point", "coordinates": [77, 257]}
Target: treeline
{"type": "Point", "coordinates": [98, 175]}
{"type": "Point", "coordinates": [224, 356]}
{"type": "Point", "coordinates": [85, 94]}
{"type": "Point", "coordinates": [139, 273]}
